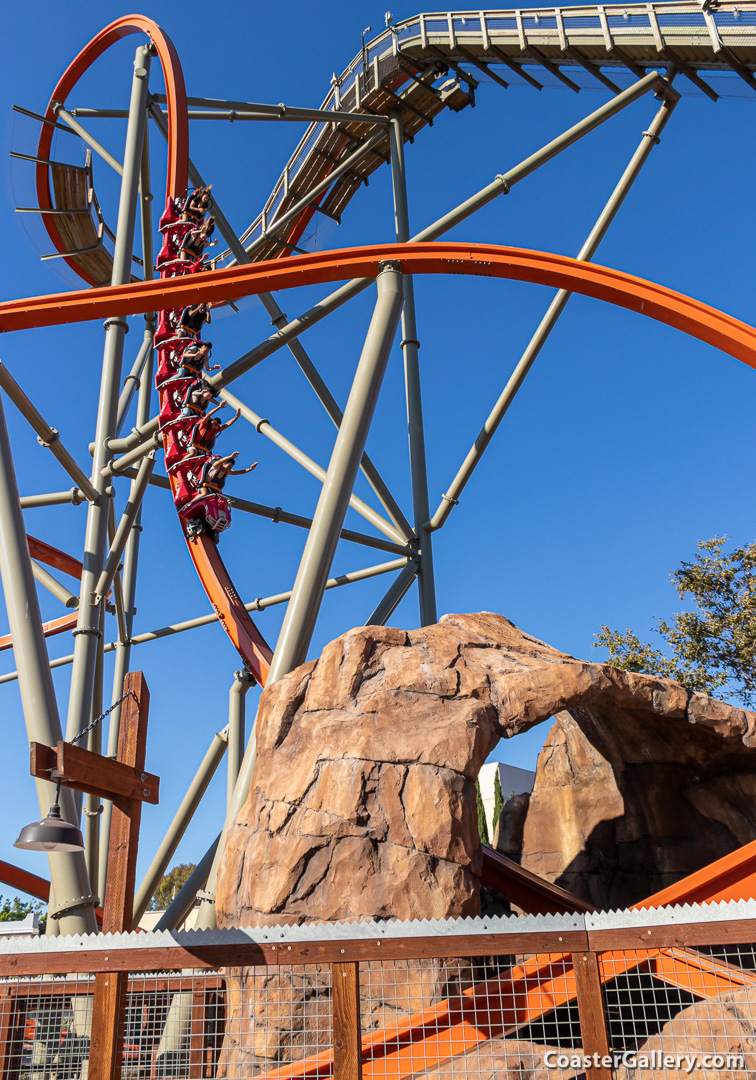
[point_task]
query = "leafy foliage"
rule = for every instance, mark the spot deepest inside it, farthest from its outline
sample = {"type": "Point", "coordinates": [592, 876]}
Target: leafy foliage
{"type": "Point", "coordinates": [498, 799]}
{"type": "Point", "coordinates": [482, 824]}
{"type": "Point", "coordinates": [16, 910]}
{"type": "Point", "coordinates": [170, 885]}
{"type": "Point", "coordinates": [712, 647]}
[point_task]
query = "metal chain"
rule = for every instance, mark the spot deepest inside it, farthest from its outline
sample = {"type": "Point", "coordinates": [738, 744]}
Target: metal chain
{"type": "Point", "coordinates": [86, 730]}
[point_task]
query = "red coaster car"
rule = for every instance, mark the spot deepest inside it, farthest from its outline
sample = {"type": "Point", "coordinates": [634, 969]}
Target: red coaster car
{"type": "Point", "coordinates": [185, 475]}
{"type": "Point", "coordinates": [210, 514]}
{"type": "Point", "coordinates": [176, 440]}
{"type": "Point", "coordinates": [172, 214]}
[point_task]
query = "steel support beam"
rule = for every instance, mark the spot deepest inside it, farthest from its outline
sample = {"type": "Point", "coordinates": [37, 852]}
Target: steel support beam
{"type": "Point", "coordinates": [264, 427]}
{"type": "Point", "coordinates": [412, 388]}
{"type": "Point", "coordinates": [90, 140]}
{"type": "Point", "coordinates": [648, 140]}
{"type": "Point", "coordinates": [92, 804]}
{"type": "Point", "coordinates": [237, 707]}
{"type": "Point", "coordinates": [131, 554]}
{"type": "Point", "coordinates": [87, 629]}
{"type": "Point", "coordinates": [282, 112]}
{"type": "Point", "coordinates": [260, 604]}
{"type": "Point", "coordinates": [68, 872]}
{"type": "Point", "coordinates": [138, 491]}
{"type": "Point", "coordinates": [180, 823]}
{"type": "Point", "coordinates": [58, 590]}
{"type": "Point", "coordinates": [390, 602]}
{"type": "Point", "coordinates": [133, 380]}
{"type": "Point", "coordinates": [183, 902]}
{"type": "Point", "coordinates": [47, 436]}
{"type": "Point", "coordinates": [294, 211]}
{"type": "Point", "coordinates": [53, 498]}
{"type": "Point", "coordinates": [309, 585]}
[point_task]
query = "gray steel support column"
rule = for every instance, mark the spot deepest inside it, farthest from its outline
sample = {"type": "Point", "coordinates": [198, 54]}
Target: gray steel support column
{"type": "Point", "coordinates": [68, 872]}
{"type": "Point", "coordinates": [131, 555]}
{"type": "Point", "coordinates": [390, 602]}
{"type": "Point", "coordinates": [92, 804]}
{"type": "Point", "coordinates": [87, 630]}
{"type": "Point", "coordinates": [315, 565]}
{"type": "Point", "coordinates": [237, 706]}
{"type": "Point", "coordinates": [81, 131]}
{"type": "Point", "coordinates": [58, 590]}
{"type": "Point", "coordinates": [53, 498]}
{"type": "Point", "coordinates": [648, 140]}
{"type": "Point", "coordinates": [413, 392]}
{"type": "Point", "coordinates": [133, 380]}
{"type": "Point", "coordinates": [138, 490]}
{"type": "Point", "coordinates": [181, 820]}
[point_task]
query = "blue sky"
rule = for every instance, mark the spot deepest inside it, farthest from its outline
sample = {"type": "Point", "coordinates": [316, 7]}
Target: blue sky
{"type": "Point", "coordinates": [627, 444]}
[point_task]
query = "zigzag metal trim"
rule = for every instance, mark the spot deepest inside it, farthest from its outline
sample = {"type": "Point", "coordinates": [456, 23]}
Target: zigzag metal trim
{"type": "Point", "coordinates": [371, 930]}
{"type": "Point", "coordinates": [720, 911]}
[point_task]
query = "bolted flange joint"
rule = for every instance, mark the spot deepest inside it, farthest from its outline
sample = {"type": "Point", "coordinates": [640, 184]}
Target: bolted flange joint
{"type": "Point", "coordinates": [70, 905]}
{"type": "Point", "coordinates": [53, 438]}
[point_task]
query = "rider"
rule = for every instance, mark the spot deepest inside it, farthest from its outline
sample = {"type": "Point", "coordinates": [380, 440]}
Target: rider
{"type": "Point", "coordinates": [197, 204]}
{"type": "Point", "coordinates": [215, 472]}
{"type": "Point", "coordinates": [206, 431]}
{"type": "Point", "coordinates": [196, 240]}
{"type": "Point", "coordinates": [196, 399]}
{"type": "Point", "coordinates": [193, 319]}
{"type": "Point", "coordinates": [195, 359]}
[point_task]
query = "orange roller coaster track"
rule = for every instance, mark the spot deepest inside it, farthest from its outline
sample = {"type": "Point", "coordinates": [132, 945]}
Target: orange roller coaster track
{"type": "Point", "coordinates": [658, 302]}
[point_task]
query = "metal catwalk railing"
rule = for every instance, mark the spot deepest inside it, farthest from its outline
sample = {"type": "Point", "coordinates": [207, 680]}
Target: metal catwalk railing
{"type": "Point", "coordinates": [601, 45]}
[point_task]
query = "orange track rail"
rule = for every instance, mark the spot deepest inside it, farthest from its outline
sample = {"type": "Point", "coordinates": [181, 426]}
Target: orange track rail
{"type": "Point", "coordinates": [481, 260]}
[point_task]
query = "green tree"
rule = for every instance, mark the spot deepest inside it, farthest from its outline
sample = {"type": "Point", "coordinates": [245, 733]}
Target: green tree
{"type": "Point", "coordinates": [16, 910]}
{"type": "Point", "coordinates": [713, 646]}
{"type": "Point", "coordinates": [498, 800]}
{"type": "Point", "coordinates": [170, 885]}
{"type": "Point", "coordinates": [482, 825]}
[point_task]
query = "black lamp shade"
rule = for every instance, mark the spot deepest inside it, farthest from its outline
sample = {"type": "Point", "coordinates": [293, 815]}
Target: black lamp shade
{"type": "Point", "coordinates": [50, 834]}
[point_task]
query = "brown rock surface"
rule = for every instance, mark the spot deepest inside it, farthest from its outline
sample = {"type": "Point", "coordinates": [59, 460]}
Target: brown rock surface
{"type": "Point", "coordinates": [626, 802]}
{"type": "Point", "coordinates": [720, 1026]}
{"type": "Point", "coordinates": [363, 797]}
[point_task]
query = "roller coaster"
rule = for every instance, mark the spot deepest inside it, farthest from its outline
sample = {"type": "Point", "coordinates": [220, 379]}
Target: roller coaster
{"type": "Point", "coordinates": [399, 83]}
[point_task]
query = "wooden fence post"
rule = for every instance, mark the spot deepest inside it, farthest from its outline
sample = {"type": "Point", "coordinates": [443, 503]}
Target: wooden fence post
{"type": "Point", "coordinates": [345, 1020]}
{"type": "Point", "coordinates": [109, 1009]}
{"type": "Point", "coordinates": [590, 1002]}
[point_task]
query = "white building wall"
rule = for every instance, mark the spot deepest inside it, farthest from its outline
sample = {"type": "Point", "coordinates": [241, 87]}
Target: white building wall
{"type": "Point", "coordinates": [513, 781]}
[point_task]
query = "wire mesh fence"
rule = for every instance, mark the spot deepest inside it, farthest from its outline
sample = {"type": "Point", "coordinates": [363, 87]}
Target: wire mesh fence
{"type": "Point", "coordinates": [458, 1003]}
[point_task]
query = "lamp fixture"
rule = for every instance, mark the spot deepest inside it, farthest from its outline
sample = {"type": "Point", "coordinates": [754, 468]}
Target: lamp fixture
{"type": "Point", "coordinates": [53, 833]}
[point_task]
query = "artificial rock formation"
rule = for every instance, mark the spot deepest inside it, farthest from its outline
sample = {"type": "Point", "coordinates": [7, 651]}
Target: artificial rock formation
{"type": "Point", "coordinates": [363, 801]}
{"type": "Point", "coordinates": [626, 802]}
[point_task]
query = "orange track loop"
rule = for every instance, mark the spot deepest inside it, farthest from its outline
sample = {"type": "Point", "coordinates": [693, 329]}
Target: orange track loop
{"type": "Point", "coordinates": [482, 260]}
{"type": "Point", "coordinates": [178, 122]}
